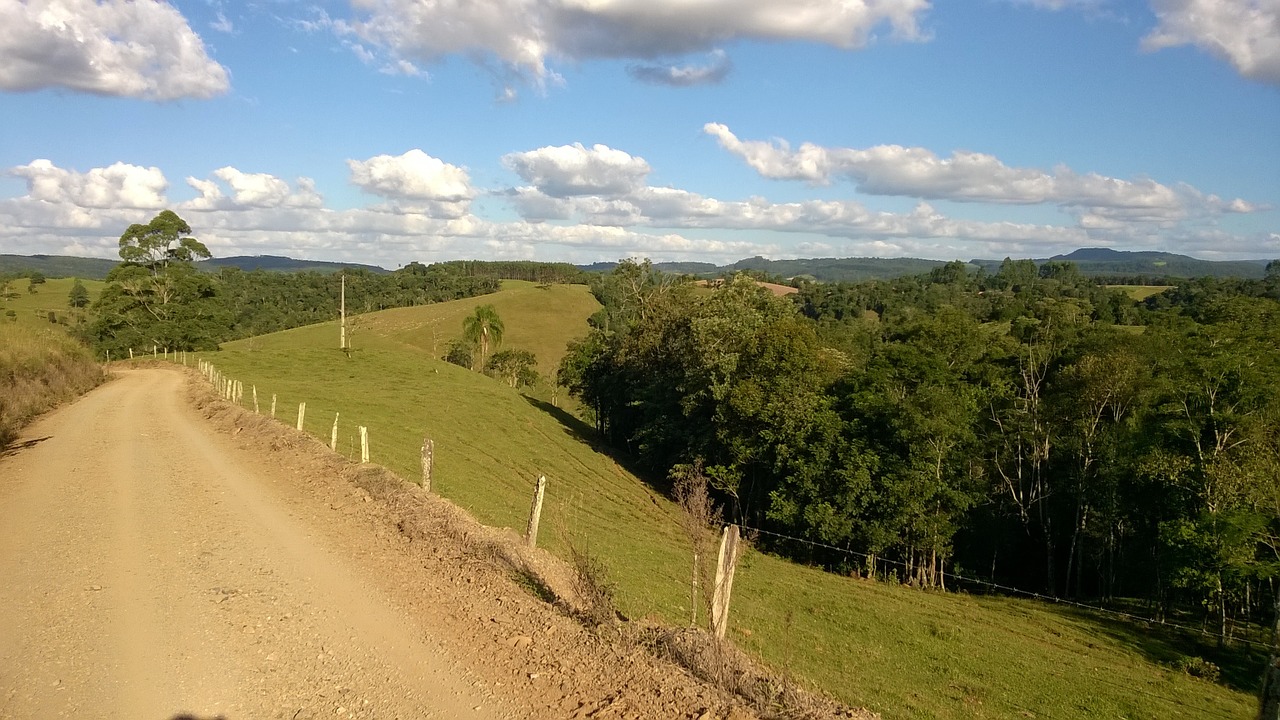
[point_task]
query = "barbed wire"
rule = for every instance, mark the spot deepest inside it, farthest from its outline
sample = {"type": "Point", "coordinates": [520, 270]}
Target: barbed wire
{"type": "Point", "coordinates": [1014, 590]}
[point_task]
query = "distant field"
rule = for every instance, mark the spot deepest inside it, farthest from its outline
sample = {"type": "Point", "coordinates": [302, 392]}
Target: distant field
{"type": "Point", "coordinates": [1141, 292]}
{"type": "Point", "coordinates": [898, 651]}
{"type": "Point", "coordinates": [33, 309]}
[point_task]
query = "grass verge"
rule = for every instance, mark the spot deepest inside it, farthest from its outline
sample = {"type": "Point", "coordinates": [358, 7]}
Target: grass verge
{"type": "Point", "coordinates": [39, 368]}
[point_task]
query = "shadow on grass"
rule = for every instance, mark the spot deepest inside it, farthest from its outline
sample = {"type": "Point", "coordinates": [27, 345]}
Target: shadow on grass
{"type": "Point", "coordinates": [533, 584]}
{"type": "Point", "coordinates": [1241, 664]}
{"type": "Point", "coordinates": [580, 431]}
{"type": "Point", "coordinates": [16, 448]}
{"type": "Point", "coordinates": [584, 433]}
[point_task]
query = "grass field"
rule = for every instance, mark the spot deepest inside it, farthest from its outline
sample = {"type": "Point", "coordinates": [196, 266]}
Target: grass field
{"type": "Point", "coordinates": [1141, 292]}
{"type": "Point", "coordinates": [898, 651]}
{"type": "Point", "coordinates": [32, 309]}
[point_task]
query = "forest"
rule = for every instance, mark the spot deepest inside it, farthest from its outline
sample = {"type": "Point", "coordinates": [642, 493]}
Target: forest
{"type": "Point", "coordinates": [1026, 427]}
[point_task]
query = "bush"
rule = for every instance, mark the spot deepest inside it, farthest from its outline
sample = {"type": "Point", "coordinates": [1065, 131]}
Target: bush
{"type": "Point", "coordinates": [1197, 667]}
{"type": "Point", "coordinates": [460, 353]}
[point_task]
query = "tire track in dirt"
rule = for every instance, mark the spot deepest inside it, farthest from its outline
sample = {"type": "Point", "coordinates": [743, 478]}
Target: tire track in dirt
{"type": "Point", "coordinates": [147, 574]}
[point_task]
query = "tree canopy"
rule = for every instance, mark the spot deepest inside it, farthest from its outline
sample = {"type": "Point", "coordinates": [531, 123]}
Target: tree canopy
{"type": "Point", "coordinates": [1027, 427]}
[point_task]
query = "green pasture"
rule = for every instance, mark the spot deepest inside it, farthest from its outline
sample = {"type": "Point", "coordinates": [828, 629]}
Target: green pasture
{"type": "Point", "coordinates": [32, 309]}
{"type": "Point", "coordinates": [1141, 292]}
{"type": "Point", "coordinates": [901, 652]}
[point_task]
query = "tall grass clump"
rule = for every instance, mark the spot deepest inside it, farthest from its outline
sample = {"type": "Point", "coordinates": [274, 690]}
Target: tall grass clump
{"type": "Point", "coordinates": [39, 368]}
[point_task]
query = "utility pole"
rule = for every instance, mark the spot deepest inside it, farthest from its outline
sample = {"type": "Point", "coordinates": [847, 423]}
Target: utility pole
{"type": "Point", "coordinates": [342, 313]}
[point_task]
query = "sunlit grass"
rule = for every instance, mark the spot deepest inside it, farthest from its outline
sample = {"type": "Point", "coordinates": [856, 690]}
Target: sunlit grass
{"type": "Point", "coordinates": [40, 366]}
{"type": "Point", "coordinates": [898, 651]}
{"type": "Point", "coordinates": [1141, 292]}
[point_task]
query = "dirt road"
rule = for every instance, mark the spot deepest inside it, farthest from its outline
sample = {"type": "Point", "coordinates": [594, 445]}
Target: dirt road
{"type": "Point", "coordinates": [166, 555]}
{"type": "Point", "coordinates": [149, 572]}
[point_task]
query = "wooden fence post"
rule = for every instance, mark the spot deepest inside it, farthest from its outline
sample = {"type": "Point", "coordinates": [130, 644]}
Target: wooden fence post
{"type": "Point", "coordinates": [333, 434]}
{"type": "Point", "coordinates": [724, 580]}
{"type": "Point", "coordinates": [302, 413]}
{"type": "Point", "coordinates": [130, 353]}
{"type": "Point", "coordinates": [255, 399]}
{"type": "Point", "coordinates": [535, 513]}
{"type": "Point", "coordinates": [1270, 709]}
{"type": "Point", "coordinates": [428, 462]}
{"type": "Point", "coordinates": [154, 349]}
{"type": "Point", "coordinates": [364, 444]}
{"type": "Point", "coordinates": [273, 405]}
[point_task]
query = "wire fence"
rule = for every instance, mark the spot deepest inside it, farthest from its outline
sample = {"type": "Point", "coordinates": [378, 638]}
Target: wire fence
{"type": "Point", "coordinates": [234, 392]}
{"type": "Point", "coordinates": [1010, 590]}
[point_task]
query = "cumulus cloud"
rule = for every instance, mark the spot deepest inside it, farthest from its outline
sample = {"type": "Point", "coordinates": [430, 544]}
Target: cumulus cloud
{"type": "Point", "coordinates": [715, 71]}
{"type": "Point", "coordinates": [237, 212]}
{"type": "Point", "coordinates": [106, 47]}
{"type": "Point", "coordinates": [525, 34]}
{"type": "Point", "coordinates": [1245, 33]}
{"type": "Point", "coordinates": [570, 170]}
{"type": "Point", "coordinates": [117, 186]}
{"type": "Point", "coordinates": [969, 177]}
{"type": "Point", "coordinates": [251, 190]}
{"type": "Point", "coordinates": [415, 180]}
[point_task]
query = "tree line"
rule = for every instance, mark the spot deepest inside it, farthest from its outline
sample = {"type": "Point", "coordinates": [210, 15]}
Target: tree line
{"type": "Point", "coordinates": [158, 297]}
{"type": "Point", "coordinates": [1025, 426]}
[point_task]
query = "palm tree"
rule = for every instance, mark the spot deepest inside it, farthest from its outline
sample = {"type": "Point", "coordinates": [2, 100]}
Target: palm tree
{"type": "Point", "coordinates": [482, 326]}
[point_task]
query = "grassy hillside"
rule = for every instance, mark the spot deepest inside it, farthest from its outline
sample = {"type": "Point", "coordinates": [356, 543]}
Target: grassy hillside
{"type": "Point", "coordinates": [1141, 292]}
{"type": "Point", "coordinates": [899, 651]}
{"type": "Point", "coordinates": [40, 365]}
{"type": "Point", "coordinates": [58, 266]}
{"type": "Point", "coordinates": [32, 309]}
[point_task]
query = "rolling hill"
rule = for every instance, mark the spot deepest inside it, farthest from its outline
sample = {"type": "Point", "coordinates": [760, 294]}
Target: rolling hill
{"type": "Point", "coordinates": [901, 652]}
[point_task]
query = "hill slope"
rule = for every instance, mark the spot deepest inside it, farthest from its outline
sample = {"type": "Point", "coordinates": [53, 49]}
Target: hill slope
{"type": "Point", "coordinates": [899, 651]}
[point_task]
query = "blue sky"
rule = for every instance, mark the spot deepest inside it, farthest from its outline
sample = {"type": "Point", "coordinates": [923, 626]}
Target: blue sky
{"type": "Point", "coordinates": [388, 131]}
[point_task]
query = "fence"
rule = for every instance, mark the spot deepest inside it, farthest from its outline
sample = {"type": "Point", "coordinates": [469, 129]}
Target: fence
{"type": "Point", "coordinates": [731, 549]}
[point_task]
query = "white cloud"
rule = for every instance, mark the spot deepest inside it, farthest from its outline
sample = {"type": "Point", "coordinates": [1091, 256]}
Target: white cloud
{"type": "Point", "coordinates": [251, 190]}
{"type": "Point", "coordinates": [142, 49]}
{"type": "Point", "coordinates": [969, 177]}
{"type": "Point", "coordinates": [222, 24]}
{"type": "Point", "coordinates": [416, 180]}
{"type": "Point", "coordinates": [716, 70]}
{"type": "Point", "coordinates": [1245, 33]}
{"type": "Point", "coordinates": [65, 211]}
{"type": "Point", "coordinates": [117, 186]}
{"type": "Point", "coordinates": [525, 34]}
{"type": "Point", "coordinates": [570, 170]}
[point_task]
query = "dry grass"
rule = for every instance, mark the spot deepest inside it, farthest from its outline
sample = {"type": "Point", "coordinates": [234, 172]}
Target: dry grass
{"type": "Point", "coordinates": [39, 368]}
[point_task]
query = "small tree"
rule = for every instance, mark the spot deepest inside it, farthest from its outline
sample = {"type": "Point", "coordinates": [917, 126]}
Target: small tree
{"type": "Point", "coordinates": [515, 367]}
{"type": "Point", "coordinates": [78, 298]}
{"type": "Point", "coordinates": [483, 327]}
{"type": "Point", "coordinates": [34, 279]}
{"type": "Point", "coordinates": [697, 520]}
{"type": "Point", "coordinates": [461, 353]}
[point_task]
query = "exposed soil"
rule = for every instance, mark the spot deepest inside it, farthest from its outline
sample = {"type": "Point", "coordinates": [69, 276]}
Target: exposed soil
{"type": "Point", "coordinates": [165, 554]}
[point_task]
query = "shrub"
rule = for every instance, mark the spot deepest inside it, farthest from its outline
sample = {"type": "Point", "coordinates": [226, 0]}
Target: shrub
{"type": "Point", "coordinates": [1197, 667]}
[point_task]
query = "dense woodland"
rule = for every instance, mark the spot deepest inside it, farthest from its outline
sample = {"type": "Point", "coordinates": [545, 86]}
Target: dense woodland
{"type": "Point", "coordinates": [1026, 426]}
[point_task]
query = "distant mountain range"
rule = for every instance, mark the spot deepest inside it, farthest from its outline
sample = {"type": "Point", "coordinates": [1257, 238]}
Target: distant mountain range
{"type": "Point", "coordinates": [1105, 261]}
{"type": "Point", "coordinates": [276, 263]}
{"type": "Point", "coordinates": [56, 266]}
{"type": "Point", "coordinates": [1091, 261]}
